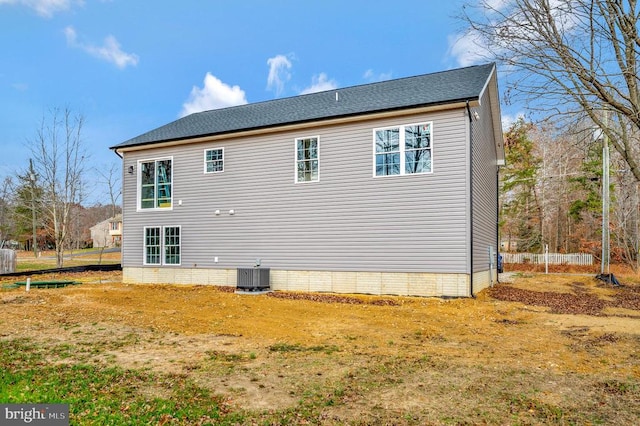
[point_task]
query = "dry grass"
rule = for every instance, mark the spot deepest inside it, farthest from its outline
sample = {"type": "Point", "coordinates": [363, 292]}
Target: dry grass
{"type": "Point", "coordinates": [384, 360]}
{"type": "Point", "coordinates": [48, 256]}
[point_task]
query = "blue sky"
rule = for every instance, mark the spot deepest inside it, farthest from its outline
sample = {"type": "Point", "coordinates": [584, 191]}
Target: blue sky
{"type": "Point", "coordinates": [129, 65]}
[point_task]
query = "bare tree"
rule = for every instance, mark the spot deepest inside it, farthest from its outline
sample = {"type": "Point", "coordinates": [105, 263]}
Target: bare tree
{"type": "Point", "coordinates": [568, 58]}
{"type": "Point", "coordinates": [111, 176]}
{"type": "Point", "coordinates": [59, 160]}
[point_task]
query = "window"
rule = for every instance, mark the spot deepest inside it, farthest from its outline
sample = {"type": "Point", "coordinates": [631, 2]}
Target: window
{"type": "Point", "coordinates": [388, 152]}
{"type": "Point", "coordinates": [402, 150]}
{"type": "Point", "coordinates": [152, 246]}
{"type": "Point", "coordinates": [307, 159]}
{"type": "Point", "coordinates": [155, 184]}
{"type": "Point", "coordinates": [417, 153]}
{"type": "Point", "coordinates": [159, 240]}
{"type": "Point", "coordinates": [172, 245]}
{"type": "Point", "coordinates": [214, 160]}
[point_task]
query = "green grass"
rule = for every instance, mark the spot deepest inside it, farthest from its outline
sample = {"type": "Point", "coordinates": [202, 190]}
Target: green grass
{"type": "Point", "coordinates": [32, 264]}
{"type": "Point", "coordinates": [111, 395]}
{"type": "Point", "coordinates": [104, 395]}
{"type": "Point", "coordinates": [100, 392]}
{"type": "Point", "coordinates": [287, 347]}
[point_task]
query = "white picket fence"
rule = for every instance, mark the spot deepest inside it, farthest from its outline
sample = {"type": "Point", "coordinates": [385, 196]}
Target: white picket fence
{"type": "Point", "coordinates": [554, 258]}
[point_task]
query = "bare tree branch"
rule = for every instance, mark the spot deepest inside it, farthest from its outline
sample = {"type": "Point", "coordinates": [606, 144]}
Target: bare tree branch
{"type": "Point", "coordinates": [567, 59]}
{"type": "Point", "coordinates": [111, 176]}
{"type": "Point", "coordinates": [59, 159]}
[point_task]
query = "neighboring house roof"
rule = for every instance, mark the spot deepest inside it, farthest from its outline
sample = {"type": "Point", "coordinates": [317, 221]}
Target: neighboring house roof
{"type": "Point", "coordinates": [99, 225]}
{"type": "Point", "coordinates": [453, 86]}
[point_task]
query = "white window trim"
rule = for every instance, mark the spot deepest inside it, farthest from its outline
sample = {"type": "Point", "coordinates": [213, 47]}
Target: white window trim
{"type": "Point", "coordinates": [205, 161]}
{"type": "Point", "coordinates": [144, 246]}
{"type": "Point", "coordinates": [139, 184]}
{"type": "Point", "coordinates": [295, 160]}
{"type": "Point", "coordinates": [162, 246]}
{"type": "Point", "coordinates": [402, 149]}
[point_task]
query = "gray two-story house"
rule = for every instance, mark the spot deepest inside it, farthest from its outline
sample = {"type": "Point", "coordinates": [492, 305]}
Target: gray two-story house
{"type": "Point", "coordinates": [383, 188]}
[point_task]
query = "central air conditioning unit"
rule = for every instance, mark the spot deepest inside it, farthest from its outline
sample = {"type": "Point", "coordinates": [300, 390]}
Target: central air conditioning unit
{"type": "Point", "coordinates": [253, 279]}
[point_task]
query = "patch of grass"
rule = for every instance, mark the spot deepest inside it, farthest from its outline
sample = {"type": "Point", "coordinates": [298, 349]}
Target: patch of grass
{"type": "Point", "coordinates": [34, 265]}
{"type": "Point", "coordinates": [225, 357]}
{"type": "Point", "coordinates": [98, 395]}
{"type": "Point", "coordinates": [48, 260]}
{"type": "Point", "coordinates": [523, 275]}
{"type": "Point", "coordinates": [616, 387]}
{"type": "Point", "coordinates": [525, 406]}
{"type": "Point", "coordinates": [287, 347]}
{"type": "Point", "coordinates": [64, 350]}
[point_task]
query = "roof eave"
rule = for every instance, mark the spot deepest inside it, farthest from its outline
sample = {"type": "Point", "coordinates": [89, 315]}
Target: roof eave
{"type": "Point", "coordinates": [369, 115]}
{"type": "Point", "coordinates": [494, 99]}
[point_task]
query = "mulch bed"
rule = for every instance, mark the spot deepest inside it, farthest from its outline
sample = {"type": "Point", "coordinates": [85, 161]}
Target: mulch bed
{"type": "Point", "coordinates": [332, 298]}
{"type": "Point", "coordinates": [578, 302]}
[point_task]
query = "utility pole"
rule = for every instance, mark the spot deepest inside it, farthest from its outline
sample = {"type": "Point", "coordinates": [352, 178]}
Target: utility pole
{"type": "Point", "coordinates": [604, 268]}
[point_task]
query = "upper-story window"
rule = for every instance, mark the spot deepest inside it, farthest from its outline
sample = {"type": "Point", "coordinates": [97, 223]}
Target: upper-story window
{"type": "Point", "coordinates": [307, 159]}
{"type": "Point", "coordinates": [214, 160]}
{"type": "Point", "coordinates": [155, 179]}
{"type": "Point", "coordinates": [401, 150]}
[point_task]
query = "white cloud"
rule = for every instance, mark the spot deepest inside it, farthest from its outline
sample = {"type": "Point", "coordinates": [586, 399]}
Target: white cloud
{"type": "Point", "coordinates": [279, 74]}
{"type": "Point", "coordinates": [512, 26]}
{"type": "Point", "coordinates": [498, 5]}
{"type": "Point", "coordinates": [320, 83]}
{"type": "Point", "coordinates": [372, 77]}
{"type": "Point", "coordinates": [110, 51]}
{"type": "Point", "coordinates": [45, 8]}
{"type": "Point", "coordinates": [509, 119]}
{"type": "Point", "coordinates": [467, 49]}
{"type": "Point", "coordinates": [213, 95]}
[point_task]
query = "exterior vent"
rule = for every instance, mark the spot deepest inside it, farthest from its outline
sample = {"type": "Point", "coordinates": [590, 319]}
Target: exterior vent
{"type": "Point", "coordinates": [253, 279]}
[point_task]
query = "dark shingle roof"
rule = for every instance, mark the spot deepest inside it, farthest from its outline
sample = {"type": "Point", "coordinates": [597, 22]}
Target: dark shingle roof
{"type": "Point", "coordinates": [424, 90]}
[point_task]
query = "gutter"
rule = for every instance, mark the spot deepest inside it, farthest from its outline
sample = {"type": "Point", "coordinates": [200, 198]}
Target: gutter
{"type": "Point", "coordinates": [470, 200]}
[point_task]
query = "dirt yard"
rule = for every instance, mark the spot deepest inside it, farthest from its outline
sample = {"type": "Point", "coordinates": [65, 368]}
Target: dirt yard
{"type": "Point", "coordinates": [543, 349]}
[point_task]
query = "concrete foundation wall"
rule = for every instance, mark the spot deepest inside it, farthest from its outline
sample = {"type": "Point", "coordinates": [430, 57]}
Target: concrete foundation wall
{"type": "Point", "coordinates": [484, 279]}
{"type": "Point", "coordinates": [387, 283]}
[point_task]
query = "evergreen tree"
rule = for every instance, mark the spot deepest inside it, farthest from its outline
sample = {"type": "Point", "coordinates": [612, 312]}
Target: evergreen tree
{"type": "Point", "coordinates": [521, 208]}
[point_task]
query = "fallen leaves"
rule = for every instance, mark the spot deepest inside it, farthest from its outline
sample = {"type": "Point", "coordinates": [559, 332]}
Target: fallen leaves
{"type": "Point", "coordinates": [580, 302]}
{"type": "Point", "coordinates": [333, 298]}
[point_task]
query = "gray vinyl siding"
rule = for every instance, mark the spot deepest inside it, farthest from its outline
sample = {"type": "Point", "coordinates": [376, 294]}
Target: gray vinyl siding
{"type": "Point", "coordinates": [347, 221]}
{"type": "Point", "coordinates": [485, 188]}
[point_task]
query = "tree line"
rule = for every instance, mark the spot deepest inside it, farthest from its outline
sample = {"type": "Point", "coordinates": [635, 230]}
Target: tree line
{"type": "Point", "coordinates": [42, 205]}
{"type": "Point", "coordinates": [551, 194]}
